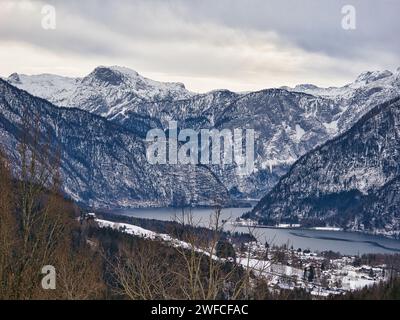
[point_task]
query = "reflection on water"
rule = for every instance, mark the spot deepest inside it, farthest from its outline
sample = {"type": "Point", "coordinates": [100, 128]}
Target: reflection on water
{"type": "Point", "coordinates": [316, 240]}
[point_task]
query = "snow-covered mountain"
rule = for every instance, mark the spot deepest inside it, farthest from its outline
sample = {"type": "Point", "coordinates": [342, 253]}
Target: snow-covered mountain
{"type": "Point", "coordinates": [366, 80]}
{"type": "Point", "coordinates": [356, 98]}
{"type": "Point", "coordinates": [103, 164]}
{"type": "Point", "coordinates": [288, 122]}
{"type": "Point", "coordinates": [106, 91]}
{"type": "Point", "coordinates": [351, 181]}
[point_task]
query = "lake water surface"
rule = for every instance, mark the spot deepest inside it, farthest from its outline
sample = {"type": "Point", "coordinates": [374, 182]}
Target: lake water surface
{"type": "Point", "coordinates": [349, 243]}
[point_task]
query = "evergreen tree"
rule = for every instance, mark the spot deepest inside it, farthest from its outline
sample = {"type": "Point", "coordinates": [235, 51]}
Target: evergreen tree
{"type": "Point", "coordinates": [311, 274]}
{"type": "Point", "coordinates": [224, 249]}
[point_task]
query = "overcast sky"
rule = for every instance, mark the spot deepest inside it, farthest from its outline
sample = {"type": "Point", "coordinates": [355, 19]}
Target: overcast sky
{"type": "Point", "coordinates": [206, 44]}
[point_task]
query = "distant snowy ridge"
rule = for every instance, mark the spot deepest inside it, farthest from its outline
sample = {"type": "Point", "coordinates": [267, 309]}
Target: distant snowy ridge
{"type": "Point", "coordinates": [105, 91]}
{"type": "Point", "coordinates": [289, 122]}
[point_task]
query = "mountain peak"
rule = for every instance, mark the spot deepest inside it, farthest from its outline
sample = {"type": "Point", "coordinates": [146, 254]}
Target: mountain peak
{"type": "Point", "coordinates": [305, 86]}
{"type": "Point", "coordinates": [371, 76]}
{"type": "Point", "coordinates": [14, 78]}
{"type": "Point", "coordinates": [106, 75]}
{"type": "Point", "coordinates": [117, 75]}
{"type": "Point", "coordinates": [124, 70]}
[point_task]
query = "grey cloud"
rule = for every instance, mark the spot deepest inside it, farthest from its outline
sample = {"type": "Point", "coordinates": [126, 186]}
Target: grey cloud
{"type": "Point", "coordinates": [313, 25]}
{"type": "Point", "coordinates": [241, 41]}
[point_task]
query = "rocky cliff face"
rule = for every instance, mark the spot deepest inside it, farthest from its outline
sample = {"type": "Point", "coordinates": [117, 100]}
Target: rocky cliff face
{"type": "Point", "coordinates": [350, 181]}
{"type": "Point", "coordinates": [289, 122]}
{"type": "Point", "coordinates": [103, 164]}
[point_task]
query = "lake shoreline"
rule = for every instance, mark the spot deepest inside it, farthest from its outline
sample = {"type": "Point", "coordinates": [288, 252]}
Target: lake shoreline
{"type": "Point", "coordinates": [239, 204]}
{"type": "Point", "coordinates": [261, 226]}
{"type": "Point", "coordinates": [344, 241]}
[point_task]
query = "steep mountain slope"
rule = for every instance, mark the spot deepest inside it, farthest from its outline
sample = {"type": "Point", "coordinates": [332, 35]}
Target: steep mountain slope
{"type": "Point", "coordinates": [288, 122]}
{"type": "Point", "coordinates": [350, 181]}
{"type": "Point", "coordinates": [368, 90]}
{"type": "Point", "coordinates": [103, 164]}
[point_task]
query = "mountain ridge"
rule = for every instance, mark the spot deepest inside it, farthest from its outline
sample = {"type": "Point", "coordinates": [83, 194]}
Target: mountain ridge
{"type": "Point", "coordinates": [104, 164]}
{"type": "Point", "coordinates": [327, 184]}
{"type": "Point", "coordinates": [288, 123]}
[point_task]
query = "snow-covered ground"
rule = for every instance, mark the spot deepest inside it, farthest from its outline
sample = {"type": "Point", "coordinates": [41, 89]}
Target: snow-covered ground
{"type": "Point", "coordinates": [327, 228]}
{"type": "Point", "coordinates": [342, 276]}
{"type": "Point", "coordinates": [132, 230]}
{"type": "Point", "coordinates": [147, 234]}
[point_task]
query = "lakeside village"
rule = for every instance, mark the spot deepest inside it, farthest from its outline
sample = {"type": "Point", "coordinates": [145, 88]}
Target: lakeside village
{"type": "Point", "coordinates": [320, 273]}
